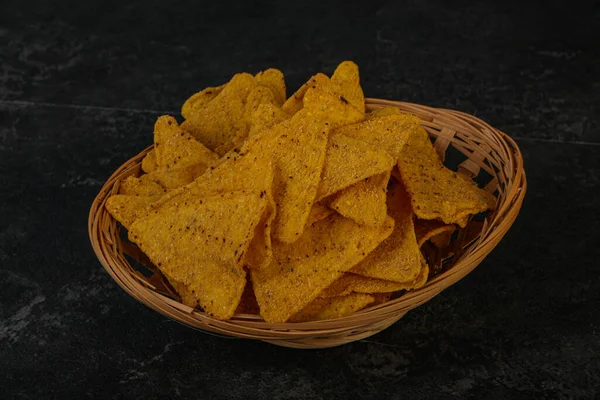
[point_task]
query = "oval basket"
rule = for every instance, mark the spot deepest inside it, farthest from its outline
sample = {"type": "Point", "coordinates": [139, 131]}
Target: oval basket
{"type": "Point", "coordinates": [477, 149]}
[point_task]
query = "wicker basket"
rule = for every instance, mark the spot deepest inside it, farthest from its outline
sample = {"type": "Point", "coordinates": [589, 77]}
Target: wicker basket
{"type": "Point", "coordinates": [480, 147]}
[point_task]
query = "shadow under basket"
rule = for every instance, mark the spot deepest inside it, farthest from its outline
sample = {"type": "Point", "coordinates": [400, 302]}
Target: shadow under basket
{"type": "Point", "coordinates": [464, 143]}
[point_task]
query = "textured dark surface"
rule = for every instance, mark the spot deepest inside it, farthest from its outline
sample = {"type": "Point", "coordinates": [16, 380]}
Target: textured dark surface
{"type": "Point", "coordinates": [81, 84]}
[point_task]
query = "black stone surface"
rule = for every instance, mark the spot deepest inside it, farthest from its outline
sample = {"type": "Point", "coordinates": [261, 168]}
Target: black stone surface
{"type": "Point", "coordinates": [81, 84]}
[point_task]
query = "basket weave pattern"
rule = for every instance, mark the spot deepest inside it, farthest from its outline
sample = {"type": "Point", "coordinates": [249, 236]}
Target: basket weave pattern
{"type": "Point", "coordinates": [483, 147]}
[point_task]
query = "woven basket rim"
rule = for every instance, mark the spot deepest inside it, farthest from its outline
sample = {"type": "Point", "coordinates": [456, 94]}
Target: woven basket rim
{"type": "Point", "coordinates": [314, 334]}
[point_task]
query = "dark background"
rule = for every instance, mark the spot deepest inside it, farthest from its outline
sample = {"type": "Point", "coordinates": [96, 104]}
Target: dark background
{"type": "Point", "coordinates": [81, 83]}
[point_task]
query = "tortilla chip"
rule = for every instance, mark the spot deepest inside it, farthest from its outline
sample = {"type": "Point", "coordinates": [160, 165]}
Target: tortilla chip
{"type": "Point", "coordinates": [134, 186]}
{"type": "Point", "coordinates": [346, 81]}
{"type": "Point", "coordinates": [174, 178]}
{"type": "Point", "coordinates": [260, 95]}
{"type": "Point", "coordinates": [300, 271]}
{"type": "Point", "coordinates": [428, 229]}
{"type": "Point", "coordinates": [273, 79]}
{"type": "Point", "coordinates": [260, 252]}
{"type": "Point", "coordinates": [354, 283]}
{"type": "Point", "coordinates": [265, 117]}
{"type": "Point", "coordinates": [127, 209]}
{"type": "Point", "coordinates": [295, 102]}
{"type": "Point", "coordinates": [384, 112]}
{"type": "Point", "coordinates": [199, 100]}
{"type": "Point", "coordinates": [149, 162]}
{"type": "Point", "coordinates": [297, 146]}
{"type": "Point", "coordinates": [328, 105]}
{"type": "Point", "coordinates": [201, 240]}
{"type": "Point", "coordinates": [333, 307]}
{"type": "Point", "coordinates": [318, 212]}
{"type": "Point", "coordinates": [435, 191]}
{"type": "Point", "coordinates": [349, 161]}
{"type": "Point", "coordinates": [186, 295]}
{"type": "Point", "coordinates": [176, 148]}
{"type": "Point", "coordinates": [222, 119]}
{"type": "Point", "coordinates": [363, 202]}
{"type": "Point", "coordinates": [389, 133]}
{"type": "Point", "coordinates": [398, 258]}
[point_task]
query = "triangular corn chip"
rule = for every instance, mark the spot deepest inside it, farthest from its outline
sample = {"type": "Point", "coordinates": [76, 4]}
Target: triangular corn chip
{"type": "Point", "coordinates": [297, 147]}
{"type": "Point", "coordinates": [176, 148]}
{"type": "Point", "coordinates": [149, 162]}
{"type": "Point", "coordinates": [354, 283]}
{"type": "Point", "coordinates": [173, 178]}
{"type": "Point", "coordinates": [333, 307]}
{"type": "Point", "coordinates": [300, 271]}
{"type": "Point", "coordinates": [199, 100]}
{"type": "Point", "coordinates": [349, 161]}
{"type": "Point", "coordinates": [266, 116]}
{"type": "Point", "coordinates": [398, 258]}
{"type": "Point", "coordinates": [200, 235]}
{"type": "Point", "coordinates": [127, 209]}
{"type": "Point", "coordinates": [435, 191]}
{"type": "Point", "coordinates": [364, 202]}
{"type": "Point", "coordinates": [389, 133]}
{"type": "Point", "coordinates": [329, 106]}
{"type": "Point", "coordinates": [295, 102]}
{"type": "Point", "coordinates": [346, 80]}
{"type": "Point", "coordinates": [384, 112]}
{"type": "Point", "coordinates": [260, 95]}
{"type": "Point", "coordinates": [426, 229]}
{"type": "Point", "coordinates": [200, 242]}
{"type": "Point", "coordinates": [143, 186]}
{"type": "Point", "coordinates": [222, 119]}
{"type": "Point", "coordinates": [274, 80]}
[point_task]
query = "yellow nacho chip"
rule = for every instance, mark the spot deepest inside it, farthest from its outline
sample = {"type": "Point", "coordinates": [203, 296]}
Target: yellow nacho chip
{"type": "Point", "coordinates": [328, 105]}
{"type": "Point", "coordinates": [260, 95]}
{"type": "Point", "coordinates": [363, 202]}
{"type": "Point", "coordinates": [295, 102]}
{"type": "Point", "coordinates": [266, 116]}
{"type": "Point", "coordinates": [300, 271]}
{"type": "Point", "coordinates": [260, 252]}
{"type": "Point", "coordinates": [199, 100]}
{"type": "Point", "coordinates": [297, 146]}
{"type": "Point", "coordinates": [127, 209]}
{"type": "Point", "coordinates": [349, 161]}
{"type": "Point", "coordinates": [384, 112]}
{"type": "Point", "coordinates": [174, 178]}
{"type": "Point", "coordinates": [200, 242]}
{"type": "Point", "coordinates": [389, 133]}
{"type": "Point", "coordinates": [199, 234]}
{"type": "Point", "coordinates": [134, 186]}
{"type": "Point", "coordinates": [222, 119]}
{"type": "Point", "coordinates": [426, 229]}
{"type": "Point", "coordinates": [346, 81]}
{"type": "Point", "coordinates": [186, 295]}
{"type": "Point", "coordinates": [318, 212]}
{"type": "Point", "coordinates": [333, 307]}
{"type": "Point", "coordinates": [435, 191]}
{"type": "Point", "coordinates": [398, 258]}
{"type": "Point", "coordinates": [354, 283]}
{"type": "Point", "coordinates": [273, 79]}
{"type": "Point", "coordinates": [149, 162]}
{"type": "Point", "coordinates": [176, 148]}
